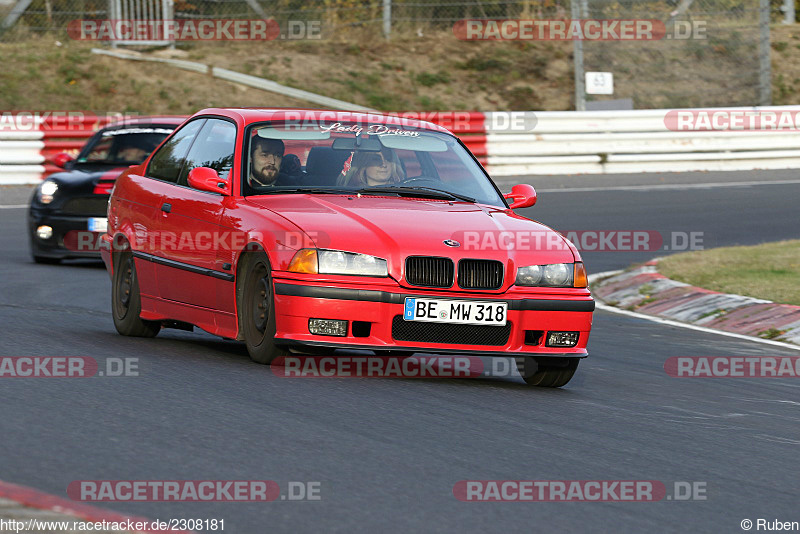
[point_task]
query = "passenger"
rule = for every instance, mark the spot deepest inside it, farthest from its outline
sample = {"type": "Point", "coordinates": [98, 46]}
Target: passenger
{"type": "Point", "coordinates": [373, 169]}
{"type": "Point", "coordinates": [265, 162]}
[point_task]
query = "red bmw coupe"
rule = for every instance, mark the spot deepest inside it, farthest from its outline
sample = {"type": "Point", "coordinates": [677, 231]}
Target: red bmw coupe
{"type": "Point", "coordinates": [295, 230]}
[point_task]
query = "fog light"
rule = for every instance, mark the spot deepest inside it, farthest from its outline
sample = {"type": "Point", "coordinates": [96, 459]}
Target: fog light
{"type": "Point", "coordinates": [327, 327]}
{"type": "Point", "coordinates": [44, 232]}
{"type": "Point", "coordinates": [562, 339]}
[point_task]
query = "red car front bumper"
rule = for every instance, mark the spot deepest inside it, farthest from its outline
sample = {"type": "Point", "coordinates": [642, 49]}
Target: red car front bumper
{"type": "Point", "coordinates": [375, 319]}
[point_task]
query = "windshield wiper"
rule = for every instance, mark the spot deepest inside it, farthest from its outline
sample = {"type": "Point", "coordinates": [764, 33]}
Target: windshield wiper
{"type": "Point", "coordinates": [422, 192]}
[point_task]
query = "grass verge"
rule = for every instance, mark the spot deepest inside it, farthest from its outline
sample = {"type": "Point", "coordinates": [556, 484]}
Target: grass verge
{"type": "Point", "coordinates": [770, 271]}
{"type": "Point", "coordinates": [414, 71]}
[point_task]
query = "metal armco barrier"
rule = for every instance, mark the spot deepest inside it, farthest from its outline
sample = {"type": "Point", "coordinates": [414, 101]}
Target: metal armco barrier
{"type": "Point", "coordinates": [639, 141]}
{"type": "Point", "coordinates": [506, 143]}
{"type": "Point", "coordinates": [28, 141]}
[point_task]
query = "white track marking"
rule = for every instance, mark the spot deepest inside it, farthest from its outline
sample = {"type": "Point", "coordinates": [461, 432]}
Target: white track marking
{"type": "Point", "coordinates": [656, 187]}
{"type": "Point", "coordinates": [13, 207]}
{"type": "Point", "coordinates": [605, 307]}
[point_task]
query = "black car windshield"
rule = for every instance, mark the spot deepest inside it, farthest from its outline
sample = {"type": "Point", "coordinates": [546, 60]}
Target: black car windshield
{"type": "Point", "coordinates": [365, 159]}
{"type": "Point", "coordinates": [123, 146]}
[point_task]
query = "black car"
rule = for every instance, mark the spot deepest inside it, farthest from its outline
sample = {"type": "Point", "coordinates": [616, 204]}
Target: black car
{"type": "Point", "coordinates": [68, 210]}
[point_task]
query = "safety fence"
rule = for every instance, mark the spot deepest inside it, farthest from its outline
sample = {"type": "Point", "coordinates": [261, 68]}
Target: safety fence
{"type": "Point", "coordinates": [530, 143]}
{"type": "Point", "coordinates": [713, 52]}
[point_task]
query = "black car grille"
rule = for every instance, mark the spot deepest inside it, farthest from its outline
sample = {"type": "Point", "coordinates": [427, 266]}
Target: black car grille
{"type": "Point", "coordinates": [480, 274]}
{"type": "Point", "coordinates": [95, 206]}
{"type": "Point", "coordinates": [451, 334]}
{"type": "Point", "coordinates": [429, 271]}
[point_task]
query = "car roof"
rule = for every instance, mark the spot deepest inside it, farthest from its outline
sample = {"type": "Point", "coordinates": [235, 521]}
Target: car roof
{"type": "Point", "coordinates": [251, 115]}
{"type": "Point", "coordinates": [172, 120]}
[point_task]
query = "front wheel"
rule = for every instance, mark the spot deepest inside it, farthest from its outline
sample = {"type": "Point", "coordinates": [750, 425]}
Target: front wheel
{"type": "Point", "coordinates": [44, 260]}
{"type": "Point", "coordinates": [546, 372]}
{"type": "Point", "coordinates": [126, 303]}
{"type": "Point", "coordinates": [257, 309]}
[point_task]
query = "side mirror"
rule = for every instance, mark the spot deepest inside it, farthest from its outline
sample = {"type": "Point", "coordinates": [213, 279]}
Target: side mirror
{"type": "Point", "coordinates": [521, 196]}
{"type": "Point", "coordinates": [62, 159]}
{"type": "Point", "coordinates": [207, 179]}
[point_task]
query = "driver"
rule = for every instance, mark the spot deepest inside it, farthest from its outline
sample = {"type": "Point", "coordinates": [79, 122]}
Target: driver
{"type": "Point", "coordinates": [373, 169]}
{"type": "Point", "coordinates": [134, 150]}
{"type": "Point", "coordinates": [265, 162]}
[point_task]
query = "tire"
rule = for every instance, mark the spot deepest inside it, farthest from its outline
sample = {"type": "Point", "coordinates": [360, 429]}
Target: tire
{"type": "Point", "coordinates": [546, 373]}
{"type": "Point", "coordinates": [44, 260]}
{"type": "Point", "coordinates": [126, 303]}
{"type": "Point", "coordinates": [256, 309]}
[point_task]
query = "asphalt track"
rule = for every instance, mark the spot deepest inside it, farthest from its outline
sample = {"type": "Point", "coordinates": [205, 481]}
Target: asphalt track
{"type": "Point", "coordinates": [387, 452]}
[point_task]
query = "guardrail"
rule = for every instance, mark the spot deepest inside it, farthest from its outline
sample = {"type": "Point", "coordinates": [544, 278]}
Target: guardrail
{"type": "Point", "coordinates": [598, 142]}
{"type": "Point", "coordinates": [28, 144]}
{"type": "Point", "coordinates": [512, 143]}
{"type": "Point", "coordinates": [26, 157]}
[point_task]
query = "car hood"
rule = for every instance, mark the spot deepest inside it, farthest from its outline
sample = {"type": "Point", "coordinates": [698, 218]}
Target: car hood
{"type": "Point", "coordinates": [91, 181]}
{"type": "Point", "coordinates": [394, 228]}
{"type": "Point", "coordinates": [88, 174]}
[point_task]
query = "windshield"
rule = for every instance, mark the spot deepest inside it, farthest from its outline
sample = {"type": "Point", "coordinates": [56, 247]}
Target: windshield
{"type": "Point", "coordinates": [124, 146]}
{"type": "Point", "coordinates": [362, 158]}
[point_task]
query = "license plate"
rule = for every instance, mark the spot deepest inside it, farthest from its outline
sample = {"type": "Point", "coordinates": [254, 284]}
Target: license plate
{"type": "Point", "coordinates": [455, 311]}
{"type": "Point", "coordinates": [98, 224]}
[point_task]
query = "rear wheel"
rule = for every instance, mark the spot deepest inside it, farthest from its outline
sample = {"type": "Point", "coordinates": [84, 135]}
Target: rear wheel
{"type": "Point", "coordinates": [126, 304]}
{"type": "Point", "coordinates": [257, 309]}
{"type": "Point", "coordinates": [546, 372]}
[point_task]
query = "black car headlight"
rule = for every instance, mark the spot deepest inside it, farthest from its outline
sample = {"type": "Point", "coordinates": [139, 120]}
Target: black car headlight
{"type": "Point", "coordinates": [47, 191]}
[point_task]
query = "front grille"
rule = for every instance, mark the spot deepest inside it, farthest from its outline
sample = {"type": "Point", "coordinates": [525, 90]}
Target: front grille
{"type": "Point", "coordinates": [451, 334]}
{"type": "Point", "coordinates": [480, 274]}
{"type": "Point", "coordinates": [429, 271]}
{"type": "Point", "coordinates": [95, 206]}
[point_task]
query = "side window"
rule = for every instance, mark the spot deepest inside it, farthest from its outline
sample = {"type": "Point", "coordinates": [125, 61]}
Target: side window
{"type": "Point", "coordinates": [167, 162]}
{"type": "Point", "coordinates": [213, 148]}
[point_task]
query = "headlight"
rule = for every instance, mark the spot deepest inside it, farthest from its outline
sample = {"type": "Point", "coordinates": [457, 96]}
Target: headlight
{"type": "Point", "coordinates": [320, 261]}
{"type": "Point", "coordinates": [529, 276]}
{"type": "Point", "coordinates": [46, 191]}
{"type": "Point", "coordinates": [557, 274]}
{"type": "Point", "coordinates": [553, 275]}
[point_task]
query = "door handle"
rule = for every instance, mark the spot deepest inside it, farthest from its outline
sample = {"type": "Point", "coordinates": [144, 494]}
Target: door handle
{"type": "Point", "coordinates": [166, 208]}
